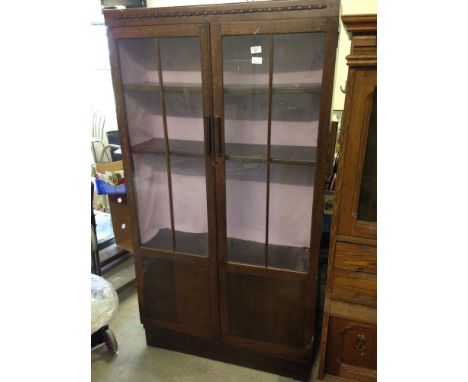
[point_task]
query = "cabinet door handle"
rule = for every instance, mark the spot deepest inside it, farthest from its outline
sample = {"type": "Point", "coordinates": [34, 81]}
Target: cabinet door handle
{"type": "Point", "coordinates": [361, 343]}
{"type": "Point", "coordinates": [208, 144]}
{"type": "Point", "coordinates": [219, 146]}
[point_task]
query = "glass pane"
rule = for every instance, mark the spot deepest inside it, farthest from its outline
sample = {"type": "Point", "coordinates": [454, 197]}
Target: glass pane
{"type": "Point", "coordinates": [138, 61]}
{"type": "Point", "coordinates": [152, 199]}
{"type": "Point", "coordinates": [181, 74]}
{"type": "Point", "coordinates": [245, 96]}
{"type": "Point", "coordinates": [246, 82]}
{"type": "Point", "coordinates": [294, 126]}
{"type": "Point", "coordinates": [246, 211]}
{"type": "Point", "coordinates": [190, 207]}
{"type": "Point", "coordinates": [144, 121]}
{"type": "Point", "coordinates": [290, 217]}
{"type": "Point", "coordinates": [298, 59]}
{"type": "Point", "coordinates": [297, 76]}
{"type": "Point", "coordinates": [367, 209]}
{"type": "Point", "coordinates": [138, 64]}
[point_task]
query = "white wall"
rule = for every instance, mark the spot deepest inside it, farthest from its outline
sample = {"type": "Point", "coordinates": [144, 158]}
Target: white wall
{"type": "Point", "coordinates": [348, 7]}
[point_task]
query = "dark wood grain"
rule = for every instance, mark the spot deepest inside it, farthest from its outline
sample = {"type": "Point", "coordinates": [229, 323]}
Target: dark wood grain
{"type": "Point", "coordinates": [259, 315]}
{"type": "Point", "coordinates": [308, 303]}
{"type": "Point", "coordinates": [257, 298]}
{"type": "Point", "coordinates": [175, 292]}
{"type": "Point", "coordinates": [268, 11]}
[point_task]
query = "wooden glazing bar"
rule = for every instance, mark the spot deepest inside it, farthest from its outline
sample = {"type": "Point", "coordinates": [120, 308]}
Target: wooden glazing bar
{"type": "Point", "coordinates": [270, 97]}
{"type": "Point", "coordinates": [166, 140]}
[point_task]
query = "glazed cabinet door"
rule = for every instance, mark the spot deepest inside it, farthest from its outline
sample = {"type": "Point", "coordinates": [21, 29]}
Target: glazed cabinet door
{"type": "Point", "coordinates": [163, 92]}
{"type": "Point", "coordinates": [358, 201]}
{"type": "Point", "coordinates": [271, 96]}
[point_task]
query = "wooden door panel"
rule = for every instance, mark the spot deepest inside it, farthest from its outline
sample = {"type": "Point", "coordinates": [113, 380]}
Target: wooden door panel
{"type": "Point", "coordinates": [174, 237]}
{"type": "Point", "coordinates": [177, 292]}
{"type": "Point", "coordinates": [362, 85]}
{"type": "Point", "coordinates": [272, 97]}
{"type": "Point", "coordinates": [269, 310]}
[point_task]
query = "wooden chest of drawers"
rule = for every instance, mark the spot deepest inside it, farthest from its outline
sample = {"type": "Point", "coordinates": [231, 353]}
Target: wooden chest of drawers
{"type": "Point", "coordinates": [348, 347]}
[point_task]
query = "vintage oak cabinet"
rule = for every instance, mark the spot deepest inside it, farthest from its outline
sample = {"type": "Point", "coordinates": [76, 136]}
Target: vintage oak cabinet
{"type": "Point", "coordinates": [223, 113]}
{"type": "Point", "coordinates": [349, 332]}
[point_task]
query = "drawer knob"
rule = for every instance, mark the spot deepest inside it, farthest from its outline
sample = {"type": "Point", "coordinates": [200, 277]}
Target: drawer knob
{"type": "Point", "coordinates": [361, 343]}
{"type": "Point", "coordinates": [124, 226]}
{"type": "Point", "coordinates": [119, 200]}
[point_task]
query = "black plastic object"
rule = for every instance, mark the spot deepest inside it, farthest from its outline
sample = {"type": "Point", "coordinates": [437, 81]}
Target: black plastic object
{"type": "Point", "coordinates": [114, 139]}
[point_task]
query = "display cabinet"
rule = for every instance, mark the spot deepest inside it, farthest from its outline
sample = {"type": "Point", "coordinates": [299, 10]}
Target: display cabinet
{"type": "Point", "coordinates": [349, 331]}
{"type": "Point", "coordinates": [223, 113]}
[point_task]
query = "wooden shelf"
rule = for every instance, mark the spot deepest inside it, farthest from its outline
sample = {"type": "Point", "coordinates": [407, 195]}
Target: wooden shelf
{"type": "Point", "coordinates": [277, 89]}
{"type": "Point", "coordinates": [296, 155]}
{"type": "Point", "coordinates": [186, 242]}
{"type": "Point", "coordinates": [239, 251]}
{"type": "Point", "coordinates": [176, 147]}
{"type": "Point", "coordinates": [279, 256]}
{"type": "Point", "coordinates": [229, 89]}
{"type": "Point", "coordinates": [303, 155]}
{"type": "Point", "coordinates": [154, 87]}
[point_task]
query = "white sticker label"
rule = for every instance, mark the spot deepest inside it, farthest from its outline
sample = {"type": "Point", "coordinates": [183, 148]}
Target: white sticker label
{"type": "Point", "coordinates": [255, 49]}
{"type": "Point", "coordinates": [257, 60]}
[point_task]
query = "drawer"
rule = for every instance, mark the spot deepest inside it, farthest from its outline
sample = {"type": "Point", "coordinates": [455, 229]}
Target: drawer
{"type": "Point", "coordinates": [351, 350]}
{"type": "Point", "coordinates": [354, 287]}
{"type": "Point", "coordinates": [121, 221]}
{"type": "Point", "coordinates": [356, 257]}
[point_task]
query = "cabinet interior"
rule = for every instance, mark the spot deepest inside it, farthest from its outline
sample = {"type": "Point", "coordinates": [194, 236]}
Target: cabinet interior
{"type": "Point", "coordinates": [271, 114]}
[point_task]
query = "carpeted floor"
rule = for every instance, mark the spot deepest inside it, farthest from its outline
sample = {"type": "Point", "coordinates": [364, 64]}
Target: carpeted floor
{"type": "Point", "coordinates": [138, 362]}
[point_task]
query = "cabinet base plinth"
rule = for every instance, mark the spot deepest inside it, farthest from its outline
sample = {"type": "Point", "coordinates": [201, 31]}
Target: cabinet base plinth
{"type": "Point", "coordinates": [184, 343]}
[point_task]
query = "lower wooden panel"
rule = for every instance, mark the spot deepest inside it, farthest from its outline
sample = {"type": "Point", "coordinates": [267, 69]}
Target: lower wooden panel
{"type": "Point", "coordinates": [299, 370]}
{"type": "Point", "coordinates": [268, 310]}
{"type": "Point", "coordinates": [178, 293]}
{"type": "Point", "coordinates": [351, 350]}
{"type": "Point", "coordinates": [354, 287]}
